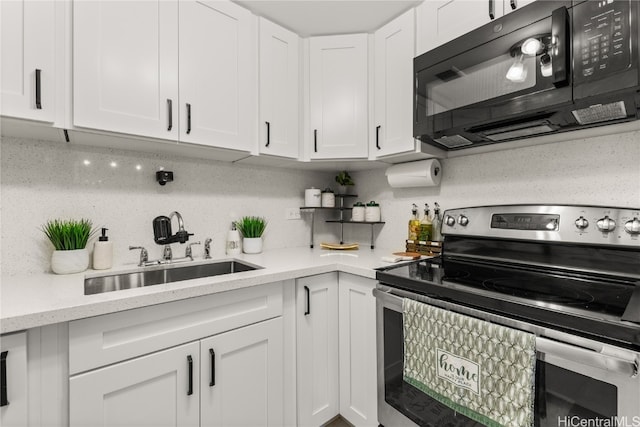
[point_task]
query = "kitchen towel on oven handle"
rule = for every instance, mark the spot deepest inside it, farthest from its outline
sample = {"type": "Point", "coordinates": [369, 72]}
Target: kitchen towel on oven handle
{"type": "Point", "coordinates": [481, 370]}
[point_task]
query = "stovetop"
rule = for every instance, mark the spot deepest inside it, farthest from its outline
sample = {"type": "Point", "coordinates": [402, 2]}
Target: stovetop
{"type": "Point", "coordinates": [587, 304]}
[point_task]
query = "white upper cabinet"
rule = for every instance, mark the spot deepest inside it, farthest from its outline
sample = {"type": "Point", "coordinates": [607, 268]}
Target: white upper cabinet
{"type": "Point", "coordinates": [279, 91]}
{"type": "Point", "coordinates": [441, 21]}
{"type": "Point", "coordinates": [392, 131]}
{"type": "Point", "coordinates": [338, 96]}
{"type": "Point", "coordinates": [166, 69]}
{"type": "Point", "coordinates": [27, 32]}
{"type": "Point", "coordinates": [217, 74]}
{"type": "Point", "coordinates": [125, 67]}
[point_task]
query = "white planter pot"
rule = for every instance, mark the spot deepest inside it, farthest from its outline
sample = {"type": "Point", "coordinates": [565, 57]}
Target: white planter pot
{"type": "Point", "coordinates": [252, 245]}
{"type": "Point", "coordinates": [68, 262]}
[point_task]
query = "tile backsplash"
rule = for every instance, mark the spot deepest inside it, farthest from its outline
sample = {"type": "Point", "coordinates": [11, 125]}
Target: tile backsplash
{"type": "Point", "coordinates": [603, 170]}
{"type": "Point", "coordinates": [117, 189]}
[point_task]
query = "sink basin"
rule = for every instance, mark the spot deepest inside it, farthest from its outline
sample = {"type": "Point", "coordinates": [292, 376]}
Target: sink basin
{"type": "Point", "coordinates": [166, 274]}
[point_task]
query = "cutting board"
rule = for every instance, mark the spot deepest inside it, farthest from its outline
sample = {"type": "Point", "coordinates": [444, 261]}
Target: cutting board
{"type": "Point", "coordinates": [412, 255]}
{"type": "Point", "coordinates": [339, 246]}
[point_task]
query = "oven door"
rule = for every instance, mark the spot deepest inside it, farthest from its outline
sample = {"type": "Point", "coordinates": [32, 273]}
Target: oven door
{"type": "Point", "coordinates": [481, 87]}
{"type": "Point", "coordinates": [573, 382]}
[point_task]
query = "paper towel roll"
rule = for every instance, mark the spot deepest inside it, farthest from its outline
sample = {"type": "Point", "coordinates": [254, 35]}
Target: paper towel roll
{"type": "Point", "coordinates": [424, 173]}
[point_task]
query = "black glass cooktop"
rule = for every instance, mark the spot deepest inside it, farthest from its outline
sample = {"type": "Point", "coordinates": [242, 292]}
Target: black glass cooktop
{"type": "Point", "coordinates": [589, 303]}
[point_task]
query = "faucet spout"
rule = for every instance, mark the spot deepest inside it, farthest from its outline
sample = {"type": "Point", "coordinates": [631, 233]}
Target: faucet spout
{"type": "Point", "coordinates": [180, 222]}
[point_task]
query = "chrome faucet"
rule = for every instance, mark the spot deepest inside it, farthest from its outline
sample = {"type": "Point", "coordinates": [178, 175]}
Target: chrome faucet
{"type": "Point", "coordinates": [167, 254]}
{"type": "Point", "coordinates": [144, 255]}
{"type": "Point", "coordinates": [187, 252]}
{"type": "Point", "coordinates": [207, 248]}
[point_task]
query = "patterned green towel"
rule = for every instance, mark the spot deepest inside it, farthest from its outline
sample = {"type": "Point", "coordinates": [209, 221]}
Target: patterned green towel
{"type": "Point", "coordinates": [482, 370]}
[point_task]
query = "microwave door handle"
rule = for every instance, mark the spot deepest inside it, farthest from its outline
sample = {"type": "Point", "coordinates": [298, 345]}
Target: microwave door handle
{"type": "Point", "coordinates": [560, 46]}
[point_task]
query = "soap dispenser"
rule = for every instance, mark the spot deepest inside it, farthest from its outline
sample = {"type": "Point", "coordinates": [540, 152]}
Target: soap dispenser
{"type": "Point", "coordinates": [233, 241]}
{"type": "Point", "coordinates": [103, 252]}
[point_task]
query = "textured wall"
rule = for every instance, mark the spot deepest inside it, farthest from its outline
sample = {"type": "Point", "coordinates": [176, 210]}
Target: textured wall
{"type": "Point", "coordinates": [43, 180]}
{"type": "Point", "coordinates": [593, 171]}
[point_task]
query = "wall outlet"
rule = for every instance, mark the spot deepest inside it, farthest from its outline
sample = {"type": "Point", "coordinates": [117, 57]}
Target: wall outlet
{"type": "Point", "coordinates": [292, 213]}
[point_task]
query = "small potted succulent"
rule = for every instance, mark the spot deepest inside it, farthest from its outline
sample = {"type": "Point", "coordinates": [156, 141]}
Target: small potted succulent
{"type": "Point", "coordinates": [344, 181]}
{"type": "Point", "coordinates": [251, 228]}
{"type": "Point", "coordinates": [69, 239]}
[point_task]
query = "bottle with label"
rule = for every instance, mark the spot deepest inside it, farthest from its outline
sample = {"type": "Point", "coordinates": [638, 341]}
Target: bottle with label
{"type": "Point", "coordinates": [414, 224]}
{"type": "Point", "coordinates": [426, 226]}
{"type": "Point", "coordinates": [103, 252]}
{"type": "Point", "coordinates": [437, 223]}
{"type": "Point", "coordinates": [233, 241]}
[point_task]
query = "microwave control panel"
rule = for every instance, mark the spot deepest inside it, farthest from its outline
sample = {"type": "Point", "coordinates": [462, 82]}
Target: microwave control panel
{"type": "Point", "coordinates": [602, 38]}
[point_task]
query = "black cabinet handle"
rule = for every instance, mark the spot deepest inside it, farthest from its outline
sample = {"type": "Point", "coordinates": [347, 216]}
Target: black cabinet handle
{"type": "Point", "coordinates": [268, 134]}
{"type": "Point", "coordinates": [170, 110]}
{"type": "Point", "coordinates": [38, 89]}
{"type": "Point", "coordinates": [492, 9]}
{"type": "Point", "coordinates": [308, 308]}
{"type": "Point", "coordinates": [378, 137]}
{"type": "Point", "coordinates": [213, 368]}
{"type": "Point", "coordinates": [188, 119]}
{"type": "Point", "coordinates": [514, 5]}
{"type": "Point", "coordinates": [560, 51]}
{"type": "Point", "coordinates": [190, 363]}
{"type": "Point", "coordinates": [315, 140]}
{"type": "Point", "coordinates": [4, 401]}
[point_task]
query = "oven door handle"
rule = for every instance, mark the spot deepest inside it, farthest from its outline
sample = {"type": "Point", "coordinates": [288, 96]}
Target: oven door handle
{"type": "Point", "coordinates": [587, 357]}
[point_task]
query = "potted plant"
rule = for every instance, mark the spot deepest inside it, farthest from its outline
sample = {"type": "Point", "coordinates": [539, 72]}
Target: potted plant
{"type": "Point", "coordinates": [251, 228]}
{"type": "Point", "coordinates": [69, 239]}
{"type": "Point", "coordinates": [344, 181]}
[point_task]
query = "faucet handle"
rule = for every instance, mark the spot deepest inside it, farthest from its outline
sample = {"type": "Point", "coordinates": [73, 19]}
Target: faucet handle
{"type": "Point", "coordinates": [207, 248]}
{"type": "Point", "coordinates": [187, 252]}
{"type": "Point", "coordinates": [144, 255]}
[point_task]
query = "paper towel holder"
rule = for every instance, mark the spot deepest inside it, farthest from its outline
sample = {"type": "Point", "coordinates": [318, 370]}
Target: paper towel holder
{"type": "Point", "coordinates": [421, 173]}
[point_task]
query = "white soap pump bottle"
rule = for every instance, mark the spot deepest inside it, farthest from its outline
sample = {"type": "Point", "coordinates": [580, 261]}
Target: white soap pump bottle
{"type": "Point", "coordinates": [233, 241]}
{"type": "Point", "coordinates": [103, 252]}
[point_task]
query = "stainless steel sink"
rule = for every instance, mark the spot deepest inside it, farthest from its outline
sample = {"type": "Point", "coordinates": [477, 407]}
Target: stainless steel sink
{"type": "Point", "coordinates": [165, 274]}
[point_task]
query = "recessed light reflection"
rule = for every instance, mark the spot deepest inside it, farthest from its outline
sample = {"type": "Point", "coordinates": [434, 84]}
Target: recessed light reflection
{"type": "Point", "coordinates": [138, 167]}
{"type": "Point", "coordinates": [113, 164]}
{"type": "Point", "coordinates": [86, 162]}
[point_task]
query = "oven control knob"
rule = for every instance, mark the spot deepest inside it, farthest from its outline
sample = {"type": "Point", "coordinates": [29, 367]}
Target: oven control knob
{"type": "Point", "coordinates": [582, 223]}
{"type": "Point", "coordinates": [632, 226]}
{"type": "Point", "coordinates": [606, 224]}
{"type": "Point", "coordinates": [463, 220]}
{"type": "Point", "coordinates": [450, 221]}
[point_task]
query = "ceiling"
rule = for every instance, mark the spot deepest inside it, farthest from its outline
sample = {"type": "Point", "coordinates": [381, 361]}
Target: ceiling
{"type": "Point", "coordinates": [326, 17]}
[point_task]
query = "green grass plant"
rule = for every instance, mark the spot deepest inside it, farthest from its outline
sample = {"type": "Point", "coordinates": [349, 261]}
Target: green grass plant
{"type": "Point", "coordinates": [251, 226]}
{"type": "Point", "coordinates": [68, 235]}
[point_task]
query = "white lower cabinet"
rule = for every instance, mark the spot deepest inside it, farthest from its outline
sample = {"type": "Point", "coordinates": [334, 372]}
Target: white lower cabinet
{"type": "Point", "coordinates": [317, 342]}
{"type": "Point", "coordinates": [357, 342]}
{"type": "Point", "coordinates": [336, 349]}
{"type": "Point", "coordinates": [160, 389]}
{"type": "Point", "coordinates": [242, 381]}
{"type": "Point", "coordinates": [146, 369]}
{"type": "Point", "coordinates": [14, 400]}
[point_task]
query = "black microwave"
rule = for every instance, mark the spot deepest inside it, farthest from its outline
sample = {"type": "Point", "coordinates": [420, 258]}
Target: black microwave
{"type": "Point", "coordinates": [551, 66]}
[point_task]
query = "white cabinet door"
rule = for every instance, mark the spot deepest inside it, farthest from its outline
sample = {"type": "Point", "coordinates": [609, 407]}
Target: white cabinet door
{"type": "Point", "coordinates": [279, 102]}
{"type": "Point", "coordinates": [161, 389]}
{"type": "Point", "coordinates": [14, 411]}
{"type": "Point", "coordinates": [358, 375]}
{"type": "Point", "coordinates": [317, 322]}
{"type": "Point", "coordinates": [125, 67]}
{"type": "Point", "coordinates": [394, 52]}
{"type": "Point", "coordinates": [217, 74]}
{"type": "Point", "coordinates": [27, 34]}
{"type": "Point", "coordinates": [338, 96]}
{"type": "Point", "coordinates": [442, 21]}
{"type": "Point", "coordinates": [243, 376]}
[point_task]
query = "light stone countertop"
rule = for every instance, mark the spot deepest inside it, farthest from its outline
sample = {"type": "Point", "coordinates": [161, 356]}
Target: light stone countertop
{"type": "Point", "coordinates": [38, 300]}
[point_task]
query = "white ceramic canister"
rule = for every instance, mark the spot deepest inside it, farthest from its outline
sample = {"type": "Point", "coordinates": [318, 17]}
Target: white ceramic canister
{"type": "Point", "coordinates": [312, 198]}
{"type": "Point", "coordinates": [372, 212]}
{"type": "Point", "coordinates": [328, 198]}
{"type": "Point", "coordinates": [357, 212]}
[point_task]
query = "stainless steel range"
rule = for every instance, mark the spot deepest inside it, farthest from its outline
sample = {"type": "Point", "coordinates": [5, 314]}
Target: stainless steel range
{"type": "Point", "coordinates": [568, 274]}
